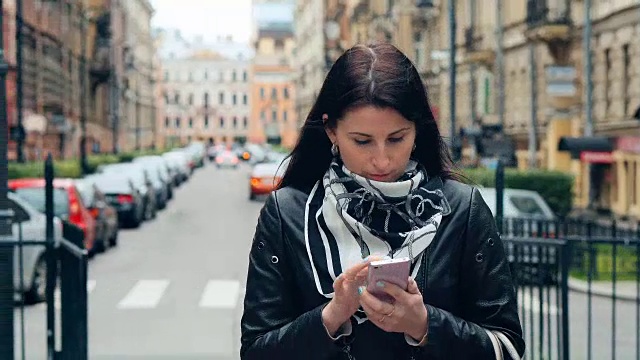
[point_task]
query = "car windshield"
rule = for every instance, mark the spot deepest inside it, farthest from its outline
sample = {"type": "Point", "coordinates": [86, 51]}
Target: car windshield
{"type": "Point", "coordinates": [526, 205]}
{"type": "Point", "coordinates": [35, 197]}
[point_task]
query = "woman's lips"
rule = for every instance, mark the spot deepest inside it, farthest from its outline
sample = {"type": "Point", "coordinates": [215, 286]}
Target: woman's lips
{"type": "Point", "coordinates": [378, 177]}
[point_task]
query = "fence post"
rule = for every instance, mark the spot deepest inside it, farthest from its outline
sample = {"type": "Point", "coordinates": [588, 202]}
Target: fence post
{"type": "Point", "coordinates": [566, 264]}
{"type": "Point", "coordinates": [50, 256]}
{"type": "Point", "coordinates": [499, 194]}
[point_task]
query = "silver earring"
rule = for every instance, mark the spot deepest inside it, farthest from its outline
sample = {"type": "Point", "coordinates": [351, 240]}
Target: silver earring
{"type": "Point", "coordinates": [414, 148]}
{"type": "Point", "coordinates": [334, 150]}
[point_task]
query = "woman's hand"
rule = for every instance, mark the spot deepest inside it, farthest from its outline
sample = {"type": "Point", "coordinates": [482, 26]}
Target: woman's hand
{"type": "Point", "coordinates": [406, 315]}
{"type": "Point", "coordinates": [346, 300]}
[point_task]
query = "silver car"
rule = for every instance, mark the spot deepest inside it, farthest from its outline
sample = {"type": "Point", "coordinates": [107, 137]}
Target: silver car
{"type": "Point", "coordinates": [30, 225]}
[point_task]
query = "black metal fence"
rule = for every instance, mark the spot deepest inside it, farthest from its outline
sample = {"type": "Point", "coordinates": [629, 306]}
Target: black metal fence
{"type": "Point", "coordinates": [62, 268]}
{"type": "Point", "coordinates": [577, 283]}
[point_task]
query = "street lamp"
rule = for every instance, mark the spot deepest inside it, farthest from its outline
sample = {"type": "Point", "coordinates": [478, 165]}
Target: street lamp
{"type": "Point", "coordinates": [19, 83]}
{"type": "Point", "coordinates": [83, 95]}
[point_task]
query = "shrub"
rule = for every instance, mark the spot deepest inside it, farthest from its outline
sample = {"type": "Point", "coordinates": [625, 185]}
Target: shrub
{"type": "Point", "coordinates": [554, 187]}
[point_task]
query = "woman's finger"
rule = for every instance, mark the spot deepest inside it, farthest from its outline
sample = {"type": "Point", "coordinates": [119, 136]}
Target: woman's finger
{"type": "Point", "coordinates": [412, 288]}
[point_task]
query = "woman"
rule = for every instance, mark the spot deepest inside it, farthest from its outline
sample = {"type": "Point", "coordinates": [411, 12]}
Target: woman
{"type": "Point", "coordinates": [370, 178]}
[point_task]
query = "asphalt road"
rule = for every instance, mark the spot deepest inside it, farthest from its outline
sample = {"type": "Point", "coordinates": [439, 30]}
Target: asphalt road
{"type": "Point", "coordinates": [173, 288]}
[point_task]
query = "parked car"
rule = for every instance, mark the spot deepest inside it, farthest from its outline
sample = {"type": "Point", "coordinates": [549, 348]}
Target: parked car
{"type": "Point", "coordinates": [141, 180]}
{"type": "Point", "coordinates": [121, 193]}
{"type": "Point", "coordinates": [105, 215]}
{"type": "Point", "coordinates": [178, 161]}
{"type": "Point", "coordinates": [227, 158]}
{"type": "Point", "coordinates": [527, 215]}
{"type": "Point", "coordinates": [265, 177]}
{"type": "Point", "coordinates": [67, 203]}
{"type": "Point", "coordinates": [158, 171]}
{"type": "Point", "coordinates": [31, 224]}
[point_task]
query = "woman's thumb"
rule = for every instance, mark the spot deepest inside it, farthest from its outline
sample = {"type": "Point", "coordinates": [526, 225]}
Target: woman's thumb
{"type": "Point", "coordinates": [412, 288]}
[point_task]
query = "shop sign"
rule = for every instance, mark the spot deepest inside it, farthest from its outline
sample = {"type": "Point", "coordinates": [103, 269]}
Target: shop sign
{"type": "Point", "coordinates": [596, 157]}
{"type": "Point", "coordinates": [628, 144]}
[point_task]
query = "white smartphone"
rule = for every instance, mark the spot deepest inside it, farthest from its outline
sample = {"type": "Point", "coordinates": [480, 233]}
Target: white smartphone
{"type": "Point", "coordinates": [395, 271]}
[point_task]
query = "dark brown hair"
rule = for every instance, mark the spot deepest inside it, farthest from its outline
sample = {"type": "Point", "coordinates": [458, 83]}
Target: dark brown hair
{"type": "Point", "coordinates": [377, 75]}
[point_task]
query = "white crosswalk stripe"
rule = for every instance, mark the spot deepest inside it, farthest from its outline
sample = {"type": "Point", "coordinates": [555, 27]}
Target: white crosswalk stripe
{"type": "Point", "coordinates": [146, 294]}
{"type": "Point", "coordinates": [529, 303]}
{"type": "Point", "coordinates": [222, 294]}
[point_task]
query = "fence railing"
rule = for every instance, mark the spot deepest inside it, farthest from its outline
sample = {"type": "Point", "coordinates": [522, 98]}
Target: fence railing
{"type": "Point", "coordinates": [56, 260]}
{"type": "Point", "coordinates": [594, 266]}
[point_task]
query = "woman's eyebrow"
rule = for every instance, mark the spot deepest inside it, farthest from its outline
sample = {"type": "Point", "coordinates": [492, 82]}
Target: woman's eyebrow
{"type": "Point", "coordinates": [368, 135]}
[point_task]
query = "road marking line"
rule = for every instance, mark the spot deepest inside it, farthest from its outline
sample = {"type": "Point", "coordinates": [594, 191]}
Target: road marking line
{"type": "Point", "coordinates": [146, 294]}
{"type": "Point", "coordinates": [91, 285]}
{"type": "Point", "coordinates": [525, 301]}
{"type": "Point", "coordinates": [220, 294]}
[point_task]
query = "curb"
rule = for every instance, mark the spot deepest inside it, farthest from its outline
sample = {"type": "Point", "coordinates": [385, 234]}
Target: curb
{"type": "Point", "coordinates": [597, 289]}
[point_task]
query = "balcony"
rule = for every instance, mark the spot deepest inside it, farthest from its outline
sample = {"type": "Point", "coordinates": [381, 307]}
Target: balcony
{"type": "Point", "coordinates": [548, 20]}
{"type": "Point", "coordinates": [475, 51]}
{"type": "Point", "coordinates": [100, 66]}
{"type": "Point", "coordinates": [426, 11]}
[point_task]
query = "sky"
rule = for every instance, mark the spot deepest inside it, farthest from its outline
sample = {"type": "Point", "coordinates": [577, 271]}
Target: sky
{"type": "Point", "coordinates": [209, 18]}
{"type": "Point", "coordinates": [212, 18]}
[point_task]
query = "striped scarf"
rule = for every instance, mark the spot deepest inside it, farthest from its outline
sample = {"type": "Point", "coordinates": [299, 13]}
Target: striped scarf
{"type": "Point", "coordinates": [349, 217]}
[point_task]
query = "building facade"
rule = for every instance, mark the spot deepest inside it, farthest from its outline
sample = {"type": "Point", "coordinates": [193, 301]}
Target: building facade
{"type": "Point", "coordinates": [273, 116]}
{"type": "Point", "coordinates": [207, 98]}
{"type": "Point", "coordinates": [139, 110]}
{"type": "Point", "coordinates": [547, 122]}
{"type": "Point", "coordinates": [53, 77]}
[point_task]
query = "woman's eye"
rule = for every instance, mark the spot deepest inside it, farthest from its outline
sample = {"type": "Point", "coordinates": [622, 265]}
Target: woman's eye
{"type": "Point", "coordinates": [362, 142]}
{"type": "Point", "coordinates": [396, 140]}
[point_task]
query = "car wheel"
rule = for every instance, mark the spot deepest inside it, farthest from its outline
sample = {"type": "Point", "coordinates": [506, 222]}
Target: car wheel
{"type": "Point", "coordinates": [114, 239]}
{"type": "Point", "coordinates": [38, 290]}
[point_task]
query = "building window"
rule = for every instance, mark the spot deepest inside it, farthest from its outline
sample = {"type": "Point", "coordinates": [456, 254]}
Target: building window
{"type": "Point", "coordinates": [274, 94]}
{"type": "Point", "coordinates": [206, 121]}
{"type": "Point", "coordinates": [233, 76]}
{"type": "Point", "coordinates": [166, 98]}
{"type": "Point", "coordinates": [166, 76]}
{"type": "Point", "coordinates": [285, 93]}
{"type": "Point", "coordinates": [190, 123]}
{"type": "Point", "coordinates": [206, 99]}
{"type": "Point", "coordinates": [190, 99]}
{"type": "Point", "coordinates": [221, 76]}
{"type": "Point", "coordinates": [178, 123]}
{"type": "Point", "coordinates": [235, 122]}
{"type": "Point", "coordinates": [245, 99]}
{"type": "Point", "coordinates": [284, 116]}
{"type": "Point", "coordinates": [176, 98]}
{"type": "Point", "coordinates": [262, 93]}
{"type": "Point", "coordinates": [190, 76]}
{"type": "Point", "coordinates": [166, 122]}
{"type": "Point", "coordinates": [263, 116]}
{"type": "Point", "coordinates": [245, 122]}
{"type": "Point", "coordinates": [206, 75]}
{"type": "Point", "coordinates": [274, 115]}
{"type": "Point", "coordinates": [221, 122]}
{"type": "Point", "coordinates": [245, 77]}
{"type": "Point", "coordinates": [221, 98]}
{"type": "Point", "coordinates": [234, 99]}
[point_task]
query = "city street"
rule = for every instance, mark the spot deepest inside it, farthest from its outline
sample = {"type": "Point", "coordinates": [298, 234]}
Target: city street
{"type": "Point", "coordinates": [173, 288]}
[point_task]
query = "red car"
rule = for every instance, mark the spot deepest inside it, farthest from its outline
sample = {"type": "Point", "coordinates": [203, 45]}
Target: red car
{"type": "Point", "coordinates": [67, 204]}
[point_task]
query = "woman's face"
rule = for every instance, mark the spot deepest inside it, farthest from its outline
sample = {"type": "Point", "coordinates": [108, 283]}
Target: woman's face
{"type": "Point", "coordinates": [374, 143]}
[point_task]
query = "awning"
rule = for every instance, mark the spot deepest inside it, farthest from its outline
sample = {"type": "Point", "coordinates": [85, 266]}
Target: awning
{"type": "Point", "coordinates": [576, 145]}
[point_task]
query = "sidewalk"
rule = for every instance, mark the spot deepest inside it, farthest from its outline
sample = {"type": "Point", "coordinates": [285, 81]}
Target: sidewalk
{"type": "Point", "coordinates": [625, 290]}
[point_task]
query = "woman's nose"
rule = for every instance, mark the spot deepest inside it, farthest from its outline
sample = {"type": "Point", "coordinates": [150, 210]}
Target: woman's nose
{"type": "Point", "coordinates": [381, 160]}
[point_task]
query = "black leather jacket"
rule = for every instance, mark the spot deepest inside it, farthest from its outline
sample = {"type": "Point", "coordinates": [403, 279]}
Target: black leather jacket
{"type": "Point", "coordinates": [466, 286]}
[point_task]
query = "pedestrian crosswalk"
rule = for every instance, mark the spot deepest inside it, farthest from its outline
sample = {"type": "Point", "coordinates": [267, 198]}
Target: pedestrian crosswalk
{"type": "Point", "coordinates": [148, 294]}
